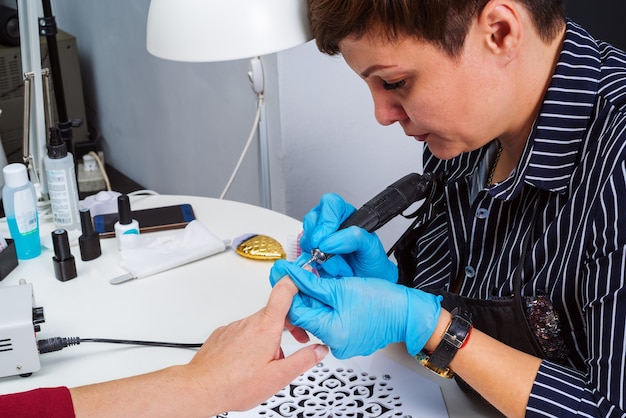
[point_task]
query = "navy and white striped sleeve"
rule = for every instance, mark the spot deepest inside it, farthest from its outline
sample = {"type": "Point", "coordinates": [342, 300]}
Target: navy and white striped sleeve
{"type": "Point", "coordinates": [601, 392]}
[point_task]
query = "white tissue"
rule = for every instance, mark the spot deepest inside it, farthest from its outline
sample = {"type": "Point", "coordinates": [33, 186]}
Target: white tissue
{"type": "Point", "coordinates": [145, 255]}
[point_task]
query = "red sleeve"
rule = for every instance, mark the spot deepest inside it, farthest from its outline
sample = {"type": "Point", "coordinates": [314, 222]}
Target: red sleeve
{"type": "Point", "coordinates": [48, 402]}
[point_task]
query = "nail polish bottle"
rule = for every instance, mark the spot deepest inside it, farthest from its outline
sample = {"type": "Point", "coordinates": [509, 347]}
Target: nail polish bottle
{"type": "Point", "coordinates": [63, 260]}
{"type": "Point", "coordinates": [89, 241]}
{"type": "Point", "coordinates": [125, 225]}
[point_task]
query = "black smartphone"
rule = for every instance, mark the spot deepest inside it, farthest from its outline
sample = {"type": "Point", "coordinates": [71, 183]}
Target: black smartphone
{"type": "Point", "coordinates": [150, 220]}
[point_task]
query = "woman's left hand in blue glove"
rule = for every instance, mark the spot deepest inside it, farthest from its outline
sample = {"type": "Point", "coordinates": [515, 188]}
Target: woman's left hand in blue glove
{"type": "Point", "coordinates": [356, 316]}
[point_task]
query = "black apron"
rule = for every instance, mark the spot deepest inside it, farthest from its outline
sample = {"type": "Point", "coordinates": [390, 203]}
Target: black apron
{"type": "Point", "coordinates": [503, 318]}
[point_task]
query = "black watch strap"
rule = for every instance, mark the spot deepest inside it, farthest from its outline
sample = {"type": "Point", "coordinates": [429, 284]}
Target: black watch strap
{"type": "Point", "coordinates": [452, 340]}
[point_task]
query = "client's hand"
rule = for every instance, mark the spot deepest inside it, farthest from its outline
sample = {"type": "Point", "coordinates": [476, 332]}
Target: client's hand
{"type": "Point", "coordinates": [238, 367]}
{"type": "Point", "coordinates": [242, 364]}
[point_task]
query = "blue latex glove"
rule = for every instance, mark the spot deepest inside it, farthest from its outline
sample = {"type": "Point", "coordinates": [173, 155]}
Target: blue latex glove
{"type": "Point", "coordinates": [356, 316]}
{"type": "Point", "coordinates": [358, 252]}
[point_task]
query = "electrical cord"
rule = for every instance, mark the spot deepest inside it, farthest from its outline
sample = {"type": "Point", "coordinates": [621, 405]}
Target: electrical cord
{"type": "Point", "coordinates": [102, 169]}
{"type": "Point", "coordinates": [143, 192]}
{"type": "Point", "coordinates": [255, 125]}
{"type": "Point", "coordinates": [49, 345]}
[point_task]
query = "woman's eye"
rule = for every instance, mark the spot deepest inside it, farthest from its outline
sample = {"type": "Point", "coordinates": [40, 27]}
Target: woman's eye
{"type": "Point", "coordinates": [393, 86]}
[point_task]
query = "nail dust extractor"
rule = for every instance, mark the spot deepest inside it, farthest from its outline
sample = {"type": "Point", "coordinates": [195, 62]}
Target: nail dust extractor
{"type": "Point", "coordinates": [19, 317]}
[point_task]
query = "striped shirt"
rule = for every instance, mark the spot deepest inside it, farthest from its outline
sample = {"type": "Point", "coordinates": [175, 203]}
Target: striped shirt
{"type": "Point", "coordinates": [566, 194]}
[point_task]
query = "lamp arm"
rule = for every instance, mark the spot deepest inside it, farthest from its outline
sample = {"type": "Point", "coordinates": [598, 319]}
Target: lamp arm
{"type": "Point", "coordinates": [31, 57]}
{"type": "Point", "coordinates": [48, 28]}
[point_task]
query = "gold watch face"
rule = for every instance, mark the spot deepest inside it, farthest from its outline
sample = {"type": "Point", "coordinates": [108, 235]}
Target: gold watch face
{"type": "Point", "coordinates": [422, 358]}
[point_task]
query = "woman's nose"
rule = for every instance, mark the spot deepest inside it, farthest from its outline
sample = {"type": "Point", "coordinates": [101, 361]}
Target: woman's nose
{"type": "Point", "coordinates": [388, 111]}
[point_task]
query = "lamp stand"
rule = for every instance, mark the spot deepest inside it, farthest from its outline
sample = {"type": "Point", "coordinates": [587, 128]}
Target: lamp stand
{"type": "Point", "coordinates": [264, 156]}
{"type": "Point", "coordinates": [257, 82]}
{"type": "Point", "coordinates": [259, 127]}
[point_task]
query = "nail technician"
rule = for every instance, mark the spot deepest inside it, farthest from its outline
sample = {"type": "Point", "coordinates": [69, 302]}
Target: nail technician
{"type": "Point", "coordinates": [513, 276]}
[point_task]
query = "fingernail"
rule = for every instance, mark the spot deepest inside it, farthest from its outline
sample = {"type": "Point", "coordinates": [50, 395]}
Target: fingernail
{"type": "Point", "coordinates": [320, 351]}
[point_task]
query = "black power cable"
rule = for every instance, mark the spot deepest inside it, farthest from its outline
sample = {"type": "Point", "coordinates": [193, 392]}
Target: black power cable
{"type": "Point", "coordinates": [49, 345]}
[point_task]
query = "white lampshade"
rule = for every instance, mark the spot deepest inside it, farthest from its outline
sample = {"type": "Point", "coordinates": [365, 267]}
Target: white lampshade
{"type": "Point", "coordinates": [221, 30]}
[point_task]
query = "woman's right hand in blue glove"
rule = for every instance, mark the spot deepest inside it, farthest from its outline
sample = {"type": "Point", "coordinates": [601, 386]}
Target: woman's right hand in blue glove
{"type": "Point", "coordinates": [356, 316]}
{"type": "Point", "coordinates": [358, 252]}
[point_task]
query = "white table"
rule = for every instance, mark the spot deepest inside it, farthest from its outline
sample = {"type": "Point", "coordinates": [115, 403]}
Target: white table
{"type": "Point", "coordinates": [181, 305]}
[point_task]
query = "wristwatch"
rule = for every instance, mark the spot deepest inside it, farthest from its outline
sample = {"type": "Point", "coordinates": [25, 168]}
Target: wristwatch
{"type": "Point", "coordinates": [455, 336]}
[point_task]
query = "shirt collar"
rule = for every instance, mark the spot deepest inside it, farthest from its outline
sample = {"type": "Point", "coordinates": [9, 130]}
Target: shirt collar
{"type": "Point", "coordinates": [552, 150]}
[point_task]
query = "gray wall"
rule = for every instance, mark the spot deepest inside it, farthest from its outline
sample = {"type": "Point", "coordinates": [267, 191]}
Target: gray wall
{"type": "Point", "coordinates": [179, 127]}
{"type": "Point", "coordinates": [173, 127]}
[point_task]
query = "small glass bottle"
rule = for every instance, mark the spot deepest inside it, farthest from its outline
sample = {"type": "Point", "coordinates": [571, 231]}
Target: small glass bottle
{"type": "Point", "coordinates": [20, 207]}
{"type": "Point", "coordinates": [126, 225]}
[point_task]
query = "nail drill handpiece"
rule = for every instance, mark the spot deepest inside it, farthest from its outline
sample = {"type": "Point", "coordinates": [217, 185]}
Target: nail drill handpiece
{"type": "Point", "coordinates": [385, 206]}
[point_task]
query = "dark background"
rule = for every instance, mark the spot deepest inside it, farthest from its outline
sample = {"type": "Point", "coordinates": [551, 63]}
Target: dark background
{"type": "Point", "coordinates": [604, 19]}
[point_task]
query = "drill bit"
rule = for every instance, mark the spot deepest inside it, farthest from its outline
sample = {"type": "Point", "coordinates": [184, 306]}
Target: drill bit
{"type": "Point", "coordinates": [317, 256]}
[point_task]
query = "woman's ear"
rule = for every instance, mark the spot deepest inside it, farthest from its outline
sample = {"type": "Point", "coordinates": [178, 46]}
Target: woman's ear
{"type": "Point", "coordinates": [501, 26]}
